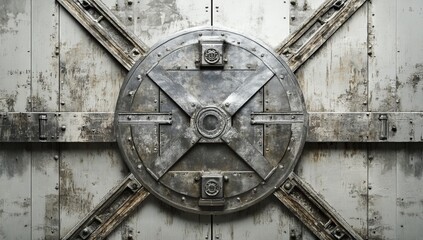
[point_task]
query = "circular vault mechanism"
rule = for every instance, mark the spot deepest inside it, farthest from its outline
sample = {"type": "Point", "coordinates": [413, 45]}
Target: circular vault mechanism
{"type": "Point", "coordinates": [211, 121]}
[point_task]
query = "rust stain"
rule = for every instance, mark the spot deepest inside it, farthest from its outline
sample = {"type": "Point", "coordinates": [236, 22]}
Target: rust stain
{"type": "Point", "coordinates": [11, 12]}
{"type": "Point", "coordinates": [73, 199]}
{"type": "Point", "coordinates": [13, 162]}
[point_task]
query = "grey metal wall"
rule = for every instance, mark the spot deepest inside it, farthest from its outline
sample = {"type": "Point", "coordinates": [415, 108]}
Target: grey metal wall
{"type": "Point", "coordinates": [48, 62]}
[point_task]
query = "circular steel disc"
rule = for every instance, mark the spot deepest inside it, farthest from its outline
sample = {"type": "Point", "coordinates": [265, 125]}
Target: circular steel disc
{"type": "Point", "coordinates": [211, 121]}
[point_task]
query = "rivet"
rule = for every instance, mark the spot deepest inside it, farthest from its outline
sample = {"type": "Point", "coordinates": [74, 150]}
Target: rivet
{"type": "Point", "coordinates": [192, 104]}
{"type": "Point", "coordinates": [227, 104]}
{"type": "Point", "coordinates": [62, 103]}
{"type": "Point", "coordinates": [183, 199]}
{"type": "Point", "coordinates": [131, 93]}
{"type": "Point", "coordinates": [200, 34]}
{"type": "Point", "coordinates": [293, 117]}
{"type": "Point", "coordinates": [130, 18]}
{"type": "Point", "coordinates": [56, 157]}
{"type": "Point", "coordinates": [129, 117]}
{"type": "Point", "coordinates": [85, 231]}
{"type": "Point", "coordinates": [139, 77]}
{"type": "Point", "coordinates": [226, 178]}
{"type": "Point", "coordinates": [287, 186]}
{"type": "Point", "coordinates": [197, 179]}
{"type": "Point", "coordinates": [282, 76]}
{"type": "Point", "coordinates": [238, 199]}
{"type": "Point", "coordinates": [281, 166]}
{"type": "Point", "coordinates": [159, 55]}
{"type": "Point", "coordinates": [129, 139]}
{"type": "Point", "coordinates": [139, 166]}
{"type": "Point", "coordinates": [63, 128]}
{"type": "Point", "coordinates": [262, 55]}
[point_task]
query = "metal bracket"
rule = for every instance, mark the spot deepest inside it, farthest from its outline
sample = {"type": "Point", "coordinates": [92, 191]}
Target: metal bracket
{"type": "Point", "coordinates": [107, 29]}
{"type": "Point", "coordinates": [211, 49]}
{"type": "Point", "coordinates": [325, 21]}
{"type": "Point", "coordinates": [313, 211]}
{"type": "Point", "coordinates": [113, 209]}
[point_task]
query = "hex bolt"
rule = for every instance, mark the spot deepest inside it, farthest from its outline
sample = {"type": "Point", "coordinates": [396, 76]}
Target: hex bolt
{"type": "Point", "coordinates": [63, 128]}
{"type": "Point", "coordinates": [134, 186]}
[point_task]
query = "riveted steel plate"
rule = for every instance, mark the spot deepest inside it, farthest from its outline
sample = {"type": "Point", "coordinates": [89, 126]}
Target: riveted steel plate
{"type": "Point", "coordinates": [222, 121]}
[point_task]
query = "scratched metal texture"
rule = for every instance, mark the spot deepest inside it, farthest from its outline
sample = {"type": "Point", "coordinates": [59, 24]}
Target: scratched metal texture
{"type": "Point", "coordinates": [48, 62]}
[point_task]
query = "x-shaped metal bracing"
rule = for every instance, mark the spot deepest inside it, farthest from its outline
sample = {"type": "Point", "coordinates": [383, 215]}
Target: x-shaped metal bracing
{"type": "Point", "coordinates": [296, 50]}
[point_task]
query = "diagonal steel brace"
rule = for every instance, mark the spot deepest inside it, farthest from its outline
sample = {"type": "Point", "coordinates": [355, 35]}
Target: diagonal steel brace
{"type": "Point", "coordinates": [314, 32]}
{"type": "Point", "coordinates": [117, 205]}
{"type": "Point", "coordinates": [107, 29]}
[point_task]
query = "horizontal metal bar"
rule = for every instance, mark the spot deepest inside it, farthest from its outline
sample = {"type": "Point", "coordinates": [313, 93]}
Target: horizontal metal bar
{"type": "Point", "coordinates": [313, 211]}
{"type": "Point", "coordinates": [323, 126]}
{"type": "Point", "coordinates": [315, 31]}
{"type": "Point", "coordinates": [57, 127]}
{"type": "Point", "coordinates": [145, 118]}
{"type": "Point", "coordinates": [107, 29]}
{"type": "Point", "coordinates": [365, 127]}
{"type": "Point", "coordinates": [111, 211]}
{"type": "Point", "coordinates": [277, 118]}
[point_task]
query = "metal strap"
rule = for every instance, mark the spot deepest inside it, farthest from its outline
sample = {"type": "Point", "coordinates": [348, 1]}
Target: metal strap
{"type": "Point", "coordinates": [310, 36]}
{"type": "Point", "coordinates": [107, 29]}
{"type": "Point", "coordinates": [313, 211]}
{"type": "Point", "coordinates": [323, 126]}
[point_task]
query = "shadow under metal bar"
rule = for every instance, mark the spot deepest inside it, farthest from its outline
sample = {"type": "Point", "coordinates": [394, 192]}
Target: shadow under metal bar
{"type": "Point", "coordinates": [313, 211]}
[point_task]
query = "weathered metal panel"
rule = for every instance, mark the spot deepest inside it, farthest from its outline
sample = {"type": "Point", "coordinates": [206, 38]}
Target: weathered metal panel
{"type": "Point", "coordinates": [15, 61]}
{"type": "Point", "coordinates": [87, 173]}
{"type": "Point", "coordinates": [382, 55]}
{"type": "Point", "coordinates": [268, 219]}
{"type": "Point", "coordinates": [154, 20]}
{"type": "Point", "coordinates": [15, 90]}
{"type": "Point", "coordinates": [89, 76]}
{"type": "Point", "coordinates": [409, 55]}
{"type": "Point", "coordinates": [338, 172]}
{"type": "Point", "coordinates": [15, 191]}
{"type": "Point", "coordinates": [335, 78]}
{"type": "Point", "coordinates": [45, 97]}
{"type": "Point", "coordinates": [395, 196]}
{"type": "Point", "coordinates": [265, 20]}
{"type": "Point", "coordinates": [45, 191]}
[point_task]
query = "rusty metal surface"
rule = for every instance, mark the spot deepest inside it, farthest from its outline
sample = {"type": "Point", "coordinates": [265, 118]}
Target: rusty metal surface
{"type": "Point", "coordinates": [313, 211]}
{"type": "Point", "coordinates": [315, 31]}
{"type": "Point", "coordinates": [107, 29]}
{"type": "Point", "coordinates": [211, 130]}
{"type": "Point", "coordinates": [111, 211]}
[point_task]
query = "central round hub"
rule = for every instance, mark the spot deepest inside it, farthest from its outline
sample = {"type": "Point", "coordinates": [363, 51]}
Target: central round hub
{"type": "Point", "coordinates": [210, 122]}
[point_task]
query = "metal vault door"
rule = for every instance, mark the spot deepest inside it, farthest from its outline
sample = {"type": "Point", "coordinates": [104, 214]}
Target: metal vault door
{"type": "Point", "coordinates": [211, 121]}
{"type": "Point", "coordinates": [199, 122]}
